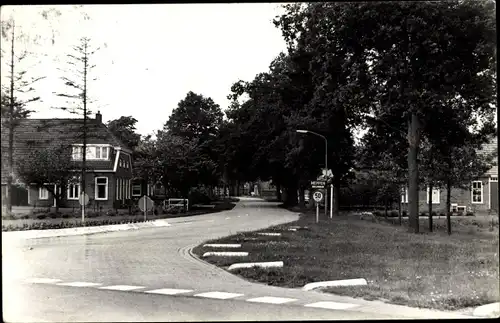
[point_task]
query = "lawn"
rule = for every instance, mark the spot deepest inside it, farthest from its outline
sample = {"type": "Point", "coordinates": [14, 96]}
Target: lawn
{"type": "Point", "coordinates": [431, 270]}
{"type": "Point", "coordinates": [69, 218]}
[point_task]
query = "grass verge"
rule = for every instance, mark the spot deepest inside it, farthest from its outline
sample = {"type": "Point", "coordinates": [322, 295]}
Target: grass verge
{"type": "Point", "coordinates": [431, 270]}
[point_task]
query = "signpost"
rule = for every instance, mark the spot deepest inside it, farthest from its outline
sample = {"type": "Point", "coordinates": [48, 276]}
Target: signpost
{"type": "Point", "coordinates": [83, 200]}
{"type": "Point", "coordinates": [317, 196]}
{"type": "Point", "coordinates": [146, 204]}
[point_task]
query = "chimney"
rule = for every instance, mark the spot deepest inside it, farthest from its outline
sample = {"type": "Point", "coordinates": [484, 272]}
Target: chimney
{"type": "Point", "coordinates": [98, 117]}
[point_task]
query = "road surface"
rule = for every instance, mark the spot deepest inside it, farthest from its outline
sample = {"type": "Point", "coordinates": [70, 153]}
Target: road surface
{"type": "Point", "coordinates": [150, 275]}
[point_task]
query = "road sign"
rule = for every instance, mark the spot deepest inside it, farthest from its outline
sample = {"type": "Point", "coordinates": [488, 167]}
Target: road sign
{"type": "Point", "coordinates": [146, 203]}
{"type": "Point", "coordinates": [83, 199]}
{"type": "Point", "coordinates": [317, 196]}
{"type": "Point", "coordinates": [318, 184]}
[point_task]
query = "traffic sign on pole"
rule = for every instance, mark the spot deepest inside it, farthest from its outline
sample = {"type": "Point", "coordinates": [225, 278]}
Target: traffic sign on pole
{"type": "Point", "coordinates": [318, 184]}
{"type": "Point", "coordinates": [318, 196]}
{"type": "Point", "coordinates": [145, 204]}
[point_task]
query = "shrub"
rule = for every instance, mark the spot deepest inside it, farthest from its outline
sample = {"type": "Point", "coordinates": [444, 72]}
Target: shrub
{"type": "Point", "coordinates": [434, 214]}
{"type": "Point", "coordinates": [377, 213]}
{"type": "Point", "coordinates": [394, 214]}
{"type": "Point", "coordinates": [469, 214]}
{"type": "Point", "coordinates": [25, 216]}
{"type": "Point", "coordinates": [442, 214]}
{"type": "Point", "coordinates": [404, 213]}
{"type": "Point", "coordinates": [66, 216]}
{"type": "Point", "coordinates": [8, 217]}
{"type": "Point", "coordinates": [92, 214]}
{"type": "Point", "coordinates": [111, 213]}
{"type": "Point", "coordinates": [41, 216]}
{"type": "Point", "coordinates": [199, 195]}
{"type": "Point", "coordinates": [53, 215]}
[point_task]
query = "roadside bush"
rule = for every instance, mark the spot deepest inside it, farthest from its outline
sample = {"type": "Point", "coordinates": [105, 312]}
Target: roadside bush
{"type": "Point", "coordinates": [171, 210]}
{"type": "Point", "coordinates": [111, 213]}
{"type": "Point", "coordinates": [442, 214]}
{"type": "Point", "coordinates": [41, 216]}
{"type": "Point", "coordinates": [394, 214]}
{"type": "Point", "coordinates": [199, 195]}
{"type": "Point", "coordinates": [469, 214]}
{"type": "Point", "coordinates": [377, 213]}
{"type": "Point", "coordinates": [434, 214]}
{"type": "Point", "coordinates": [25, 216]}
{"type": "Point", "coordinates": [8, 217]}
{"type": "Point", "coordinates": [66, 216]}
{"type": "Point", "coordinates": [92, 214]}
{"type": "Point", "coordinates": [53, 215]}
{"type": "Point", "coordinates": [404, 213]}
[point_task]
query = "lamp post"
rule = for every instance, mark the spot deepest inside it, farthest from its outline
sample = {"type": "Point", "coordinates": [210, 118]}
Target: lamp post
{"type": "Point", "coordinates": [326, 160]}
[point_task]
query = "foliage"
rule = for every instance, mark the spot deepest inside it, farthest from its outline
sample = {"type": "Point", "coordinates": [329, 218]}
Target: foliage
{"type": "Point", "coordinates": [46, 167]}
{"type": "Point", "coordinates": [187, 146]}
{"type": "Point", "coordinates": [124, 129]}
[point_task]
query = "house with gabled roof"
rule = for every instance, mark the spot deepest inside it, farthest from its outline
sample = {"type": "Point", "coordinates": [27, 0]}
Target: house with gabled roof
{"type": "Point", "coordinates": [108, 160]}
{"type": "Point", "coordinates": [482, 197]}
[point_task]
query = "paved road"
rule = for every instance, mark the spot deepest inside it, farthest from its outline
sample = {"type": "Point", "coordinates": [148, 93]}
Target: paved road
{"type": "Point", "coordinates": [150, 275]}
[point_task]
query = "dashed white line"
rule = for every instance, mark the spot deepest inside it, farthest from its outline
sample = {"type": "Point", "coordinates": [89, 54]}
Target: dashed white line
{"type": "Point", "coordinates": [332, 305]}
{"type": "Point", "coordinates": [219, 295]}
{"type": "Point", "coordinates": [187, 222]}
{"type": "Point", "coordinates": [79, 284]}
{"type": "Point", "coordinates": [271, 300]}
{"type": "Point", "coordinates": [228, 218]}
{"type": "Point", "coordinates": [43, 281]}
{"type": "Point", "coordinates": [168, 291]}
{"type": "Point", "coordinates": [122, 287]}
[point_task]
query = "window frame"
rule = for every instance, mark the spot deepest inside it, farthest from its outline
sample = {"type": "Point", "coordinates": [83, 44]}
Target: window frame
{"type": "Point", "coordinates": [96, 189]}
{"type": "Point", "coordinates": [438, 195]}
{"type": "Point", "coordinates": [92, 150]}
{"type": "Point", "coordinates": [43, 189]}
{"type": "Point", "coordinates": [77, 185]}
{"type": "Point", "coordinates": [472, 192]}
{"type": "Point", "coordinates": [140, 190]}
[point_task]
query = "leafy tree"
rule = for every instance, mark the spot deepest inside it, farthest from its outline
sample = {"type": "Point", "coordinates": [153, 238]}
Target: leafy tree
{"type": "Point", "coordinates": [52, 165]}
{"type": "Point", "coordinates": [124, 129]}
{"type": "Point", "coordinates": [147, 164]}
{"type": "Point", "coordinates": [186, 144]}
{"type": "Point", "coordinates": [414, 55]}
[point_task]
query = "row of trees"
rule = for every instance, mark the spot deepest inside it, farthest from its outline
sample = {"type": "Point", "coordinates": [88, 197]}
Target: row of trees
{"type": "Point", "coordinates": [419, 75]}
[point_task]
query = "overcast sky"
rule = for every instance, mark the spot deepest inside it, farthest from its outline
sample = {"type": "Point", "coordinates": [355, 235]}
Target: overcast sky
{"type": "Point", "coordinates": [151, 55]}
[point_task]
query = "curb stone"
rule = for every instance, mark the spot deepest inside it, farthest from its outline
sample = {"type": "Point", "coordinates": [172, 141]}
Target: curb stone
{"type": "Point", "coordinates": [36, 234]}
{"type": "Point", "coordinates": [488, 310]}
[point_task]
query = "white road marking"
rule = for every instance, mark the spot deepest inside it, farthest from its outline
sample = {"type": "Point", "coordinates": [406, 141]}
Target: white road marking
{"type": "Point", "coordinates": [222, 245]}
{"type": "Point", "coordinates": [228, 218]}
{"type": "Point", "coordinates": [271, 300]}
{"type": "Point", "coordinates": [168, 291]}
{"type": "Point", "coordinates": [269, 233]}
{"type": "Point", "coordinates": [79, 284]}
{"type": "Point", "coordinates": [43, 281]}
{"type": "Point", "coordinates": [332, 305]}
{"type": "Point", "coordinates": [269, 264]}
{"type": "Point", "coordinates": [219, 295]}
{"type": "Point", "coordinates": [187, 222]}
{"type": "Point", "coordinates": [211, 221]}
{"type": "Point", "coordinates": [122, 287]}
{"type": "Point", "coordinates": [226, 254]}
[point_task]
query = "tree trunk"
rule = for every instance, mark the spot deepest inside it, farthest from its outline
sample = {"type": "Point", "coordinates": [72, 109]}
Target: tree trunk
{"type": "Point", "coordinates": [400, 214]}
{"type": "Point", "coordinates": [448, 205]}
{"type": "Point", "coordinates": [413, 144]}
{"type": "Point", "coordinates": [278, 192]}
{"type": "Point", "coordinates": [8, 192]}
{"type": "Point", "coordinates": [336, 198]}
{"type": "Point", "coordinates": [237, 188]}
{"type": "Point", "coordinates": [386, 211]}
{"type": "Point", "coordinates": [291, 195]}
{"type": "Point", "coordinates": [302, 200]}
{"type": "Point", "coordinates": [430, 206]}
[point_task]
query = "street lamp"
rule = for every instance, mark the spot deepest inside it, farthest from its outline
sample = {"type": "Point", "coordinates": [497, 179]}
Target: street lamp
{"type": "Point", "coordinates": [326, 159]}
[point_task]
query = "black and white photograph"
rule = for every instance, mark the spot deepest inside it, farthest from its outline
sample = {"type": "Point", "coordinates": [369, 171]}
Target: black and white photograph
{"type": "Point", "coordinates": [209, 162]}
